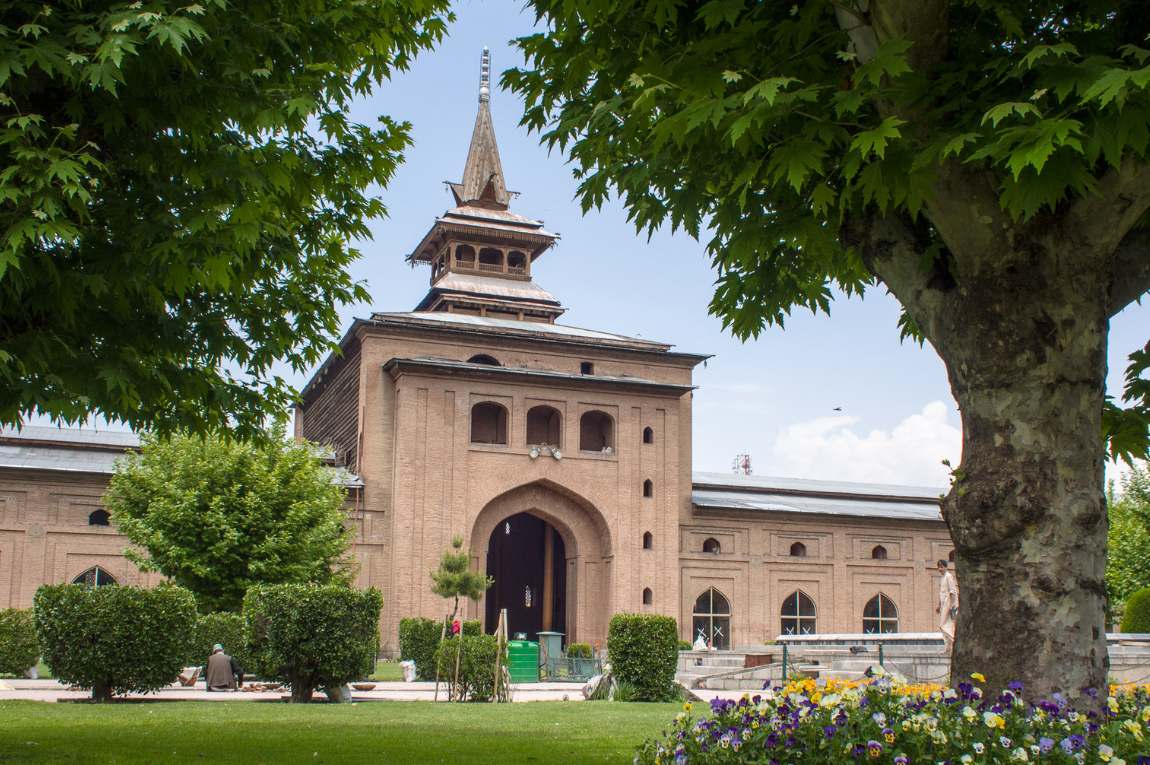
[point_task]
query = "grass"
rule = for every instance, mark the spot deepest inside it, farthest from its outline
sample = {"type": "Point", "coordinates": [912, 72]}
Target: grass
{"type": "Point", "coordinates": [381, 733]}
{"type": "Point", "coordinates": [388, 672]}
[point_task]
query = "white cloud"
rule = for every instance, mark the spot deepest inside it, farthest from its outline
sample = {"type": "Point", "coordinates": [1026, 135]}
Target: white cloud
{"type": "Point", "coordinates": [912, 453]}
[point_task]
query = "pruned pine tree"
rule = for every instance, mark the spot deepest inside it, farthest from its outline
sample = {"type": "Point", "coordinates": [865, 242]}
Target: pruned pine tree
{"type": "Point", "coordinates": [983, 160]}
{"type": "Point", "coordinates": [454, 577]}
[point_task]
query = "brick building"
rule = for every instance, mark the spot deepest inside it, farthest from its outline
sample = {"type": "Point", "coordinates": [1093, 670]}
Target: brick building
{"type": "Point", "coordinates": [561, 455]}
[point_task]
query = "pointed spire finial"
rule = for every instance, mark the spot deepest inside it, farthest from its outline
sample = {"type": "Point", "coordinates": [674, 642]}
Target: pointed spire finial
{"type": "Point", "coordinates": [485, 76]}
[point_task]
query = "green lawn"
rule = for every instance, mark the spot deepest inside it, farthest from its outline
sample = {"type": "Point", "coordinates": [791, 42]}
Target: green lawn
{"type": "Point", "coordinates": [380, 733]}
{"type": "Point", "coordinates": [388, 672]}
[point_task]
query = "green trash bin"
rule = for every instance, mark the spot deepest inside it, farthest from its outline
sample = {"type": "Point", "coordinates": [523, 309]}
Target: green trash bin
{"type": "Point", "coordinates": [523, 661]}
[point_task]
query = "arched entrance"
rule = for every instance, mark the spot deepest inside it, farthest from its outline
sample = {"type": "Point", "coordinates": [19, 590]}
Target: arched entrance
{"type": "Point", "coordinates": [581, 599]}
{"type": "Point", "coordinates": [527, 559]}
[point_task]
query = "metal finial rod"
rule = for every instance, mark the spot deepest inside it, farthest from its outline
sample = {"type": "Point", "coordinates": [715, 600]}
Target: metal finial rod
{"type": "Point", "coordinates": [485, 75]}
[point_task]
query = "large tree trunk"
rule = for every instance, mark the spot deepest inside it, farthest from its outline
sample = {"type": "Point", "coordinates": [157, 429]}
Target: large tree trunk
{"type": "Point", "coordinates": [1024, 344]}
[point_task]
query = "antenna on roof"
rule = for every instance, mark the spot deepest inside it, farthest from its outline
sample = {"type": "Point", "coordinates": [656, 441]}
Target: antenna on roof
{"type": "Point", "coordinates": [742, 465]}
{"type": "Point", "coordinates": [485, 76]}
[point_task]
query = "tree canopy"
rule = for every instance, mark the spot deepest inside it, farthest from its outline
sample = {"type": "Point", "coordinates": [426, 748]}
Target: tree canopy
{"type": "Point", "coordinates": [181, 188]}
{"type": "Point", "coordinates": [986, 161]}
{"type": "Point", "coordinates": [1128, 544]}
{"type": "Point", "coordinates": [218, 516]}
{"type": "Point", "coordinates": [782, 127]}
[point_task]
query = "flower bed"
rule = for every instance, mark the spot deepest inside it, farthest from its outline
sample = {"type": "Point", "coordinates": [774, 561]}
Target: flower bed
{"type": "Point", "coordinates": [886, 722]}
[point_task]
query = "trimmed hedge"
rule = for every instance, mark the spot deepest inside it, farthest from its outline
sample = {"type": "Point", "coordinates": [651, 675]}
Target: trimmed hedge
{"type": "Point", "coordinates": [229, 630]}
{"type": "Point", "coordinates": [19, 649]}
{"type": "Point", "coordinates": [644, 650]}
{"type": "Point", "coordinates": [419, 639]}
{"type": "Point", "coordinates": [114, 639]}
{"type": "Point", "coordinates": [579, 651]}
{"type": "Point", "coordinates": [476, 666]}
{"type": "Point", "coordinates": [1137, 615]}
{"type": "Point", "coordinates": [312, 636]}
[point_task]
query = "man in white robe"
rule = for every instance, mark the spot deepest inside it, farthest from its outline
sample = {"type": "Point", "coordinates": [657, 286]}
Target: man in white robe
{"type": "Point", "coordinates": [947, 605]}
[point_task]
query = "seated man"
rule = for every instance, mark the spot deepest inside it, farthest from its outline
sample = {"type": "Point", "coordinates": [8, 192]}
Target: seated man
{"type": "Point", "coordinates": [223, 671]}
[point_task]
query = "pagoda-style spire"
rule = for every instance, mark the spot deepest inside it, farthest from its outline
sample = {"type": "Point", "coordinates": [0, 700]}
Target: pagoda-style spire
{"type": "Point", "coordinates": [483, 183]}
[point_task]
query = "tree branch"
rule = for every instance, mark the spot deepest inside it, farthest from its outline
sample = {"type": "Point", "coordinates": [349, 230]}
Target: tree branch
{"type": "Point", "coordinates": [926, 23]}
{"type": "Point", "coordinates": [967, 213]}
{"type": "Point", "coordinates": [1130, 270]}
{"type": "Point", "coordinates": [1121, 198]}
{"type": "Point", "coordinates": [892, 247]}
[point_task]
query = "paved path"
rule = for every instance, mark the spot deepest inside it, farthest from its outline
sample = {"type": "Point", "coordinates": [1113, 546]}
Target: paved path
{"type": "Point", "coordinates": [51, 690]}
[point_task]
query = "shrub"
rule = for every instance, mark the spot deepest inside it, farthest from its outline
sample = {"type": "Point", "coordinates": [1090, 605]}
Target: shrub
{"type": "Point", "coordinates": [311, 635]}
{"type": "Point", "coordinates": [684, 645]}
{"type": "Point", "coordinates": [476, 666]}
{"type": "Point", "coordinates": [419, 638]}
{"type": "Point", "coordinates": [226, 629]}
{"type": "Point", "coordinates": [18, 647]}
{"type": "Point", "coordinates": [579, 651]}
{"type": "Point", "coordinates": [644, 651]}
{"type": "Point", "coordinates": [884, 722]}
{"type": "Point", "coordinates": [115, 639]}
{"type": "Point", "coordinates": [1137, 615]}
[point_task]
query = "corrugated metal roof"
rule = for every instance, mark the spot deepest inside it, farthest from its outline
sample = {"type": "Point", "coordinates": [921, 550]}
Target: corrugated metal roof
{"type": "Point", "coordinates": [125, 439]}
{"type": "Point", "coordinates": [821, 504]}
{"type": "Point", "coordinates": [495, 286]}
{"type": "Point", "coordinates": [514, 326]}
{"type": "Point", "coordinates": [45, 457]}
{"type": "Point", "coordinates": [724, 491]}
{"type": "Point", "coordinates": [810, 486]}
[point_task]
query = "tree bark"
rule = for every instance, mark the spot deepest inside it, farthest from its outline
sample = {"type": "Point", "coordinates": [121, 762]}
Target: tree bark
{"type": "Point", "coordinates": [102, 694]}
{"type": "Point", "coordinates": [1023, 333]}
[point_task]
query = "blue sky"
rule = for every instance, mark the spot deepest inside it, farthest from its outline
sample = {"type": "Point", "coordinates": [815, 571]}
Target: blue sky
{"type": "Point", "coordinates": [772, 398]}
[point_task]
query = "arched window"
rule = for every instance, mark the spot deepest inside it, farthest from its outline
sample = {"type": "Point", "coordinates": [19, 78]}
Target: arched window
{"type": "Point", "coordinates": [648, 436]}
{"type": "Point", "coordinates": [648, 488]}
{"type": "Point", "coordinates": [516, 262]}
{"type": "Point", "coordinates": [951, 556]}
{"type": "Point", "coordinates": [798, 550]}
{"type": "Point", "coordinates": [483, 358]}
{"type": "Point", "coordinates": [488, 423]}
{"type": "Point", "coordinates": [798, 614]}
{"type": "Point", "coordinates": [712, 619]}
{"type": "Point", "coordinates": [647, 596]}
{"type": "Point", "coordinates": [880, 615]}
{"type": "Point", "coordinates": [648, 540]}
{"type": "Point", "coordinates": [95, 577]}
{"type": "Point", "coordinates": [711, 545]}
{"type": "Point", "coordinates": [878, 553]}
{"type": "Point", "coordinates": [99, 518]}
{"type": "Point", "coordinates": [596, 432]}
{"type": "Point", "coordinates": [543, 426]}
{"type": "Point", "coordinates": [465, 256]}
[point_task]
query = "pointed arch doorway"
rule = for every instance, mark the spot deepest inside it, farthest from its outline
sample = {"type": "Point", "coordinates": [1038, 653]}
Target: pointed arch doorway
{"type": "Point", "coordinates": [581, 598]}
{"type": "Point", "coordinates": [527, 559]}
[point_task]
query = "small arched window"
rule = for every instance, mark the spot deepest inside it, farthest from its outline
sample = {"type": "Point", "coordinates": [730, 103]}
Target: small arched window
{"type": "Point", "coordinates": [798, 614]}
{"type": "Point", "coordinates": [878, 553]}
{"type": "Point", "coordinates": [490, 259]}
{"type": "Point", "coordinates": [516, 262]}
{"type": "Point", "coordinates": [880, 615]}
{"type": "Point", "coordinates": [951, 556]}
{"type": "Point", "coordinates": [712, 619]}
{"type": "Point", "coordinates": [648, 540]}
{"type": "Point", "coordinates": [543, 425]}
{"type": "Point", "coordinates": [99, 518]}
{"type": "Point", "coordinates": [488, 423]}
{"type": "Point", "coordinates": [483, 358]}
{"type": "Point", "coordinates": [596, 432]}
{"type": "Point", "coordinates": [798, 550]}
{"type": "Point", "coordinates": [95, 577]}
{"type": "Point", "coordinates": [647, 596]}
{"type": "Point", "coordinates": [648, 488]}
{"type": "Point", "coordinates": [648, 436]}
{"type": "Point", "coordinates": [711, 545]}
